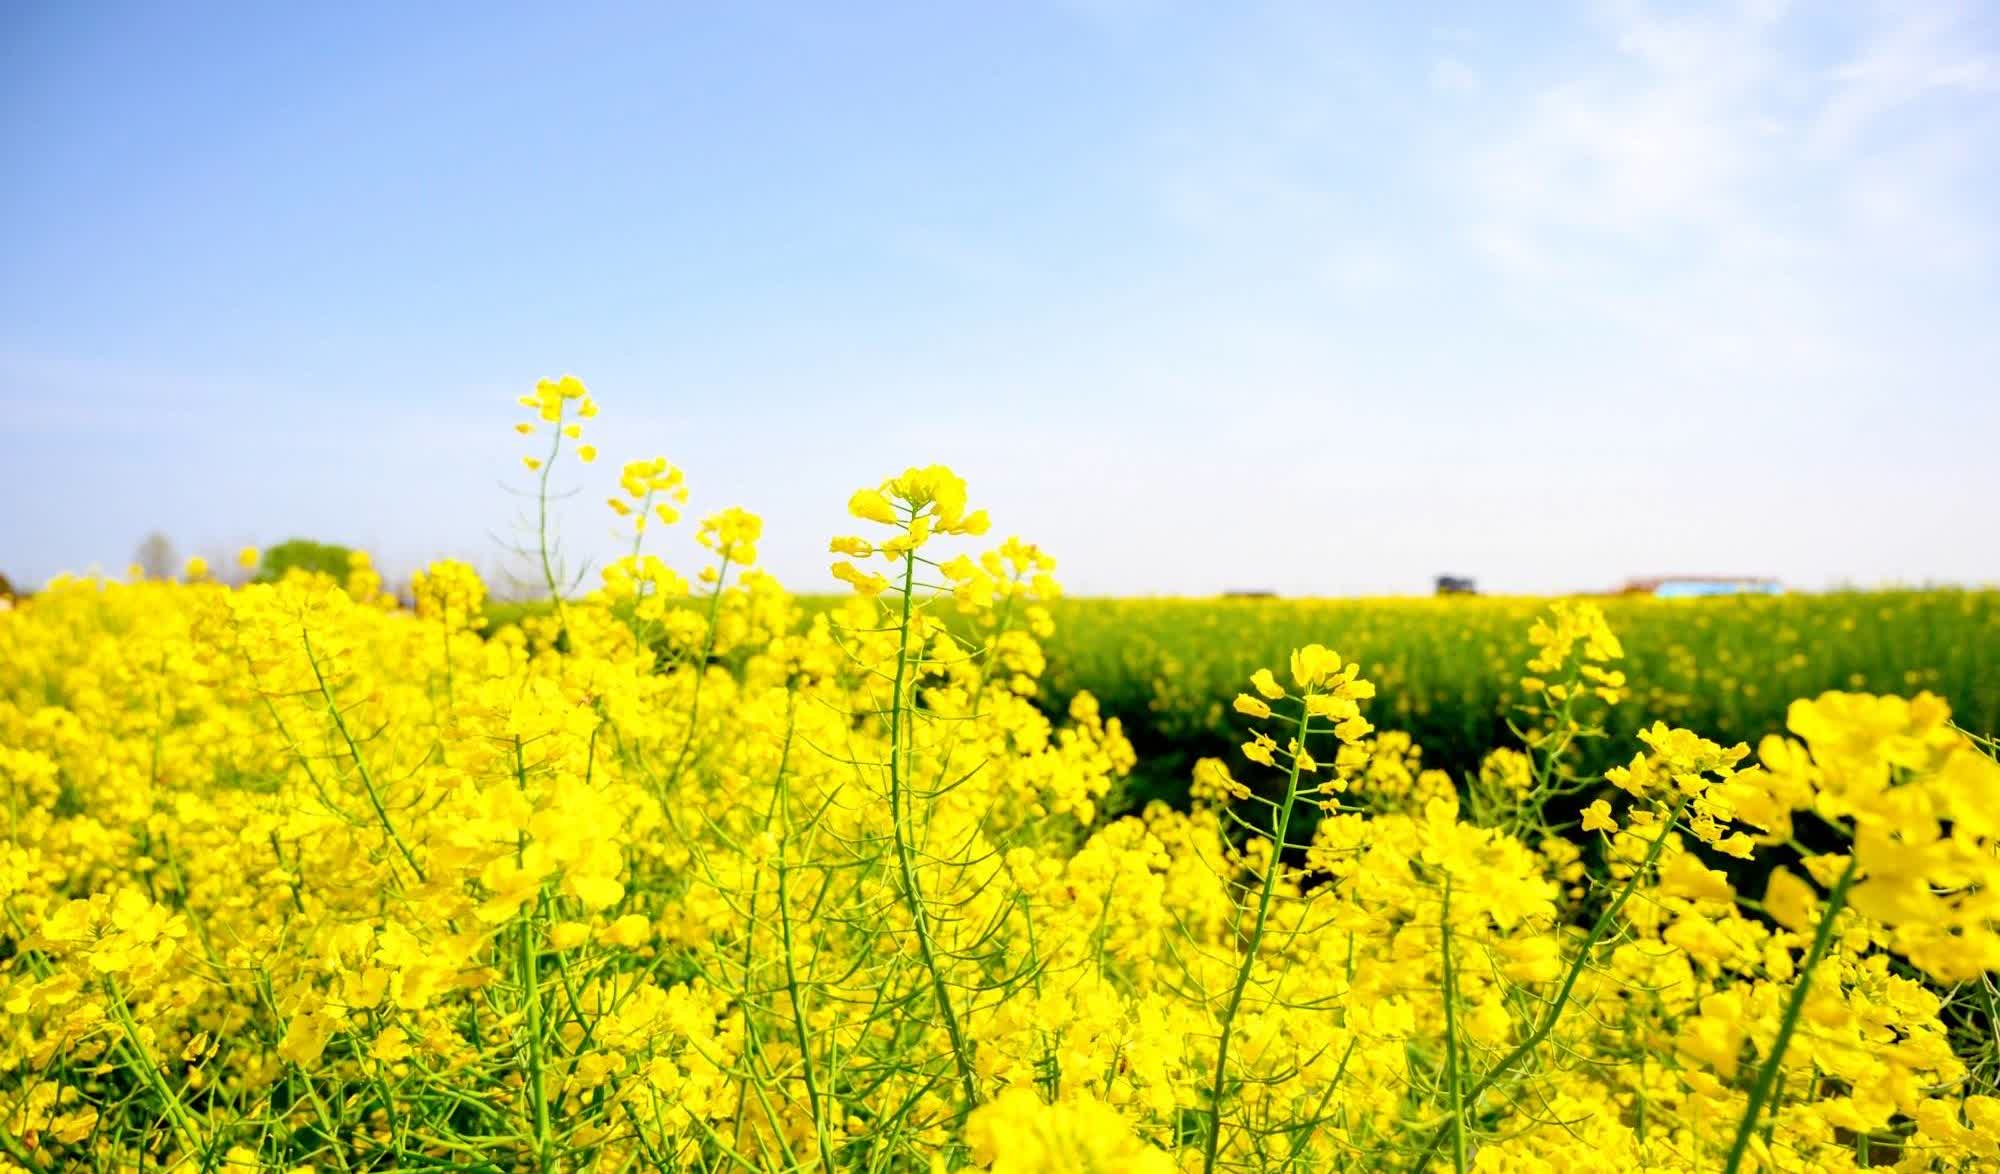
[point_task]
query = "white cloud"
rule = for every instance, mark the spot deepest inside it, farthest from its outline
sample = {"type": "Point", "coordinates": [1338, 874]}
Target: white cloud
{"type": "Point", "coordinates": [1910, 52]}
{"type": "Point", "coordinates": [1706, 184]}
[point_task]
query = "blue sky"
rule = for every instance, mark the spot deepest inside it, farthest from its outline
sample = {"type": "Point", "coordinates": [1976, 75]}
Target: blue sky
{"type": "Point", "coordinates": [1308, 297]}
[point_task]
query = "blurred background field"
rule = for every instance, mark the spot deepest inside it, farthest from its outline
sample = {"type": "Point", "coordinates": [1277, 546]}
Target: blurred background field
{"type": "Point", "coordinates": [1449, 668]}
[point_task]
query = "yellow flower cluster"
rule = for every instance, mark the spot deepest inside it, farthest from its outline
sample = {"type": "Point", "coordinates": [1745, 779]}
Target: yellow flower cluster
{"type": "Point", "coordinates": [450, 593]}
{"type": "Point", "coordinates": [297, 878]}
{"type": "Point", "coordinates": [923, 504]}
{"type": "Point", "coordinates": [1920, 804]}
{"type": "Point", "coordinates": [1017, 1133]}
{"type": "Point", "coordinates": [653, 489]}
{"type": "Point", "coordinates": [550, 403]}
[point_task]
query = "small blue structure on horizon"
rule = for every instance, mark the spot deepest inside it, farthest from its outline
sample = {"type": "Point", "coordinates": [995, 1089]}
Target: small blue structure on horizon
{"type": "Point", "coordinates": [1697, 586]}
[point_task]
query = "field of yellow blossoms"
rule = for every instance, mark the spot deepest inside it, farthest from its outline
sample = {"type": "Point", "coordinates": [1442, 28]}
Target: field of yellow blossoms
{"type": "Point", "coordinates": [681, 876]}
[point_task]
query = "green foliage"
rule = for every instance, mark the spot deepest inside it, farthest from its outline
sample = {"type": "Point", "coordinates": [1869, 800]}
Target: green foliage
{"type": "Point", "coordinates": [303, 554]}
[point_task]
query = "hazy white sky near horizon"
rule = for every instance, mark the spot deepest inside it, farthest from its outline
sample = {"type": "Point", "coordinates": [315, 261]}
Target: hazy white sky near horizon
{"type": "Point", "coordinates": [1302, 297]}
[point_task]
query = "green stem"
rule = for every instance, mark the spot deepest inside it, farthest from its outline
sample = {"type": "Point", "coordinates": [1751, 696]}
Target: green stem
{"type": "Point", "coordinates": [531, 993]}
{"type": "Point", "coordinates": [542, 518]}
{"type": "Point", "coordinates": [360, 764]}
{"type": "Point", "coordinates": [156, 1080]}
{"type": "Point", "coordinates": [19, 1153]}
{"type": "Point", "coordinates": [1271, 869]}
{"type": "Point", "coordinates": [799, 1027]}
{"type": "Point", "coordinates": [913, 895]}
{"type": "Point", "coordinates": [1451, 1038]}
{"type": "Point", "coordinates": [701, 672]}
{"type": "Point", "coordinates": [531, 999]}
{"type": "Point", "coordinates": [1767, 1074]}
